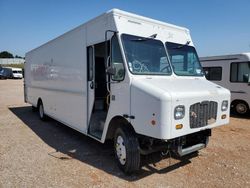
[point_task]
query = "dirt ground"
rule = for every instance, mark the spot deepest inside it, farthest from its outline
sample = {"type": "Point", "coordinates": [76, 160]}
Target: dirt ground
{"type": "Point", "coordinates": [48, 154]}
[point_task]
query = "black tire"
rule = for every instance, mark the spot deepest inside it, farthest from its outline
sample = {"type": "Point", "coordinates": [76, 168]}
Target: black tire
{"type": "Point", "coordinates": [131, 144]}
{"type": "Point", "coordinates": [241, 108]}
{"type": "Point", "coordinates": [41, 113]}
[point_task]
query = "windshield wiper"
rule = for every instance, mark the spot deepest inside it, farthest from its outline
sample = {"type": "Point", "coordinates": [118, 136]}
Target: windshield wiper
{"type": "Point", "coordinates": [145, 38]}
{"type": "Point", "coordinates": [182, 45]}
{"type": "Point", "coordinates": [140, 39]}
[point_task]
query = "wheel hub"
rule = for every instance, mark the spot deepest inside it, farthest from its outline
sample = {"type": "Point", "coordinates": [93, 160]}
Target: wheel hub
{"type": "Point", "coordinates": [121, 150]}
{"type": "Point", "coordinates": [241, 108]}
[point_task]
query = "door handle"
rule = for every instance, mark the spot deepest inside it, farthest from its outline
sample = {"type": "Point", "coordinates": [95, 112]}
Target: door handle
{"type": "Point", "coordinates": [91, 85]}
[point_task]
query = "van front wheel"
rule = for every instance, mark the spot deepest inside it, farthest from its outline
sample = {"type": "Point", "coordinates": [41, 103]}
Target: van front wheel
{"type": "Point", "coordinates": [126, 148]}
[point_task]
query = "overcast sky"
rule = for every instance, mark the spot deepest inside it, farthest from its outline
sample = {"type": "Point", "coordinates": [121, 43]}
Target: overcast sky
{"type": "Point", "coordinates": [217, 27]}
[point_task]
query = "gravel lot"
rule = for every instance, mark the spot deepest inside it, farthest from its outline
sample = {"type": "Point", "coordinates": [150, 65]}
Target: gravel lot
{"type": "Point", "coordinates": [48, 154]}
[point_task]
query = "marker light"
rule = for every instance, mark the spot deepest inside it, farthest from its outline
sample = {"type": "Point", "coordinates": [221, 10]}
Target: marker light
{"type": "Point", "coordinates": [179, 126]}
{"type": "Point", "coordinates": [223, 116]}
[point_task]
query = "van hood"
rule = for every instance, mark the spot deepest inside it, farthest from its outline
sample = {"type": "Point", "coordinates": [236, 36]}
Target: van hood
{"type": "Point", "coordinates": [179, 87]}
{"type": "Point", "coordinates": [155, 98]}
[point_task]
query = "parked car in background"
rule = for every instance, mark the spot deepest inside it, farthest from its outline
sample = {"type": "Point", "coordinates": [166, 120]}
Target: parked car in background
{"type": "Point", "coordinates": [13, 73]}
{"type": "Point", "coordinates": [233, 73]}
{"type": "Point", "coordinates": [2, 76]}
{"type": "Point", "coordinates": [17, 73]}
{"type": "Point", "coordinates": [7, 73]}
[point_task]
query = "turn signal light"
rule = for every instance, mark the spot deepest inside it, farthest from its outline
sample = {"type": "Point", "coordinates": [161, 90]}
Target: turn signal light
{"type": "Point", "coordinates": [178, 126]}
{"type": "Point", "coordinates": [223, 116]}
{"type": "Point", "coordinates": [153, 122]}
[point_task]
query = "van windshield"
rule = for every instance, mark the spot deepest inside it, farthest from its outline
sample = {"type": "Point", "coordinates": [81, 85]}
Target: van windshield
{"type": "Point", "coordinates": [184, 60]}
{"type": "Point", "coordinates": [145, 56]}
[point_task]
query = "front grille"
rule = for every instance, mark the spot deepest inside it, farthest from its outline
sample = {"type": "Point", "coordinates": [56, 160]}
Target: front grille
{"type": "Point", "coordinates": [203, 114]}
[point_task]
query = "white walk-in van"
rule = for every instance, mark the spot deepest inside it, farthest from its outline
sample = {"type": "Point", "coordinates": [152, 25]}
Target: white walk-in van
{"type": "Point", "coordinates": [128, 78]}
{"type": "Point", "coordinates": [233, 73]}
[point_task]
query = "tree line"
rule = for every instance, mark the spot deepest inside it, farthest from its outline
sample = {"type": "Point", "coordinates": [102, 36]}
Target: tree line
{"type": "Point", "coordinates": [6, 54]}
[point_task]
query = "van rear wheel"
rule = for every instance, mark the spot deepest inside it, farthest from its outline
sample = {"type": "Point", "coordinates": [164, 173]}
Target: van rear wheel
{"type": "Point", "coordinates": [41, 111]}
{"type": "Point", "coordinates": [126, 147]}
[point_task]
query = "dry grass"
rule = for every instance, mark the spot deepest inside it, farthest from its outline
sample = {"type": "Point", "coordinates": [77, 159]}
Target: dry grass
{"type": "Point", "coordinates": [14, 65]}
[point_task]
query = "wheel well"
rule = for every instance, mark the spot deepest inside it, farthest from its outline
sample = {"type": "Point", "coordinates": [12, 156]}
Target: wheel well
{"type": "Point", "coordinates": [233, 103]}
{"type": "Point", "coordinates": [115, 123]}
{"type": "Point", "coordinates": [39, 101]}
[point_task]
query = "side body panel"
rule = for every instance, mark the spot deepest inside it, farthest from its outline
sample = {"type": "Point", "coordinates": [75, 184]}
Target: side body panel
{"type": "Point", "coordinates": [56, 73]}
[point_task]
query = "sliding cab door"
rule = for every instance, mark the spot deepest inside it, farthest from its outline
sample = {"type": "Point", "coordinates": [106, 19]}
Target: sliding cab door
{"type": "Point", "coordinates": [91, 80]}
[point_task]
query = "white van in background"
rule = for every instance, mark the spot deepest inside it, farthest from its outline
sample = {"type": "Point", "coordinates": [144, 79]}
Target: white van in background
{"type": "Point", "coordinates": [17, 73]}
{"type": "Point", "coordinates": [128, 78]}
{"type": "Point", "coordinates": [233, 73]}
{"type": "Point", "coordinates": [14, 73]}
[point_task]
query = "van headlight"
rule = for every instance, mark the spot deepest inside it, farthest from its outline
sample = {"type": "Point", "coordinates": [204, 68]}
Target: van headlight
{"type": "Point", "coordinates": [179, 112]}
{"type": "Point", "coordinates": [224, 105]}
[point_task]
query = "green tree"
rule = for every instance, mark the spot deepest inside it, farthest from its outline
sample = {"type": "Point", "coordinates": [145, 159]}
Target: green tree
{"type": "Point", "coordinates": [6, 54]}
{"type": "Point", "coordinates": [17, 56]}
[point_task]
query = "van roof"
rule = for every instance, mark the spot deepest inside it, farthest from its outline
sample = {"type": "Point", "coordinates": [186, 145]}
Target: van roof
{"type": "Point", "coordinates": [116, 11]}
{"type": "Point", "coordinates": [240, 57]}
{"type": "Point", "coordinates": [143, 18]}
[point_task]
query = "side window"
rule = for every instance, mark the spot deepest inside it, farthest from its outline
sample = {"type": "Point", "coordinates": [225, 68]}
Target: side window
{"type": "Point", "coordinates": [213, 73]}
{"type": "Point", "coordinates": [240, 72]}
{"type": "Point", "coordinates": [90, 62]}
{"type": "Point", "coordinates": [116, 60]}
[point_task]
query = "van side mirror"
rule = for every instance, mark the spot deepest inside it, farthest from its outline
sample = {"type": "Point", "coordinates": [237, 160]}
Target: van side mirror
{"type": "Point", "coordinates": [111, 70]}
